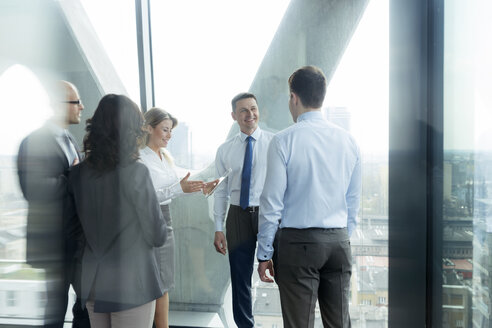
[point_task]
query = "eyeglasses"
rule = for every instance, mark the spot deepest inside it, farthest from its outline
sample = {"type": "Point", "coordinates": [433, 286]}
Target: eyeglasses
{"type": "Point", "coordinates": [73, 102]}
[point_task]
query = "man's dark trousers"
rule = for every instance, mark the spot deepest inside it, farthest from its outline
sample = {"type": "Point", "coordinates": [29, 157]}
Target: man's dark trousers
{"type": "Point", "coordinates": [241, 231]}
{"type": "Point", "coordinates": [313, 264]}
{"type": "Point", "coordinates": [51, 238]}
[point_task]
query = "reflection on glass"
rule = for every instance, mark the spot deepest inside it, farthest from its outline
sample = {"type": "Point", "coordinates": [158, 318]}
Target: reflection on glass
{"type": "Point", "coordinates": [357, 99]}
{"type": "Point", "coordinates": [119, 39]}
{"type": "Point", "coordinates": [203, 58]}
{"type": "Point", "coordinates": [22, 288]}
{"type": "Point", "coordinates": [467, 167]}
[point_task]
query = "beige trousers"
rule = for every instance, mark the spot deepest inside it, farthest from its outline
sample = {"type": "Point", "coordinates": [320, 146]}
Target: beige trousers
{"type": "Point", "coordinates": [140, 316]}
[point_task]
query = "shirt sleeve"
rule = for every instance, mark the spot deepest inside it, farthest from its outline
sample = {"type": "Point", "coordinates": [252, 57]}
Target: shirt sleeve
{"type": "Point", "coordinates": [352, 196]}
{"type": "Point", "coordinates": [169, 192]}
{"type": "Point", "coordinates": [271, 200]}
{"type": "Point", "coordinates": [147, 207]}
{"type": "Point", "coordinates": [221, 197]}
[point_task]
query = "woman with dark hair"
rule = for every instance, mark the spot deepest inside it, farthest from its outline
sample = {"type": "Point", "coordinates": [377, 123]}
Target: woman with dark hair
{"type": "Point", "coordinates": [115, 201]}
{"type": "Point", "coordinates": [167, 186]}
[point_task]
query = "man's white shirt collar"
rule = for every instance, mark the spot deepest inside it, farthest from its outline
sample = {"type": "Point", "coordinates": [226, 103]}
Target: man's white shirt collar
{"type": "Point", "coordinates": [255, 134]}
{"type": "Point", "coordinates": [315, 114]}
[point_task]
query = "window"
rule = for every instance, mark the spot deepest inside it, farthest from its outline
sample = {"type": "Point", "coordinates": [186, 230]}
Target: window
{"type": "Point", "coordinates": [67, 48]}
{"type": "Point", "coordinates": [456, 299]}
{"type": "Point", "coordinates": [118, 41]}
{"type": "Point", "coordinates": [22, 93]}
{"type": "Point", "coordinates": [363, 115]}
{"type": "Point", "coordinates": [467, 185]}
{"type": "Point", "coordinates": [11, 298]}
{"type": "Point", "coordinates": [202, 58]}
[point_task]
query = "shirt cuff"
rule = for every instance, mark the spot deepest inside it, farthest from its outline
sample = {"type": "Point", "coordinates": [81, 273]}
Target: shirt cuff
{"type": "Point", "coordinates": [219, 225]}
{"type": "Point", "coordinates": [264, 253]}
{"type": "Point", "coordinates": [176, 189]}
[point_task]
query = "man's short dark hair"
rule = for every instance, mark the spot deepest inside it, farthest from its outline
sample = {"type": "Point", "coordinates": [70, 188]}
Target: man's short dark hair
{"type": "Point", "coordinates": [309, 84]}
{"type": "Point", "coordinates": [242, 95]}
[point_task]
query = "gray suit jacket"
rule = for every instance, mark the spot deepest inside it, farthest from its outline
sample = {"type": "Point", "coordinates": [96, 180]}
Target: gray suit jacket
{"type": "Point", "coordinates": [42, 168]}
{"type": "Point", "coordinates": [122, 223]}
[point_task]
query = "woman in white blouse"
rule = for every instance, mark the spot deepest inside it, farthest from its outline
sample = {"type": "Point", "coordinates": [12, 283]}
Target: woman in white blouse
{"type": "Point", "coordinates": [167, 186]}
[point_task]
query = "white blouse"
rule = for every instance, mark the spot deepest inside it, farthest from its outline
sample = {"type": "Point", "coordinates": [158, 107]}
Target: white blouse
{"type": "Point", "coordinates": [164, 178]}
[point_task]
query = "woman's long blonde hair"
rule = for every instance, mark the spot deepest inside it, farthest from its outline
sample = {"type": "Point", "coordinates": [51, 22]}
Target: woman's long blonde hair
{"type": "Point", "coordinates": [154, 117]}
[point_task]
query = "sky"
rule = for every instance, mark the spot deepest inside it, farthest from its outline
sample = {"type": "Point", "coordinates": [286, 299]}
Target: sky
{"type": "Point", "coordinates": [360, 82]}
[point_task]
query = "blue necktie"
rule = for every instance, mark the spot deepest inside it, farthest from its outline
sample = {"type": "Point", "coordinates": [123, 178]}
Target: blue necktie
{"type": "Point", "coordinates": [246, 176]}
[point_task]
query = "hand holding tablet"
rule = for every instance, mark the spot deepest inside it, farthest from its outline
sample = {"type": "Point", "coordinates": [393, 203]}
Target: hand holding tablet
{"type": "Point", "coordinates": [219, 181]}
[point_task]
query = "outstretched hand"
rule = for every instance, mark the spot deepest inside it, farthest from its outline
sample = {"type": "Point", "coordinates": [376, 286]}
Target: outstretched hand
{"type": "Point", "coordinates": [190, 186]}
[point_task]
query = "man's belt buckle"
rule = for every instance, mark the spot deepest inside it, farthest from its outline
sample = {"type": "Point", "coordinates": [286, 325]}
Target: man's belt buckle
{"type": "Point", "coordinates": [252, 209]}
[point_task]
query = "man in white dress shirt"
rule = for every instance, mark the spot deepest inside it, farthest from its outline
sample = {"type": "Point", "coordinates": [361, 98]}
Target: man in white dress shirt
{"type": "Point", "coordinates": [245, 155]}
{"type": "Point", "coordinates": [308, 209]}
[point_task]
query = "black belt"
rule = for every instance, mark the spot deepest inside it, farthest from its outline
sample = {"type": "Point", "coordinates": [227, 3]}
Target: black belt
{"type": "Point", "coordinates": [312, 229]}
{"type": "Point", "coordinates": [251, 209]}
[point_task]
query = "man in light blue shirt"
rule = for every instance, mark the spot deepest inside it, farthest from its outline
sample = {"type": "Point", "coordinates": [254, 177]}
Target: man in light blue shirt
{"type": "Point", "coordinates": [308, 210]}
{"type": "Point", "coordinates": [245, 155]}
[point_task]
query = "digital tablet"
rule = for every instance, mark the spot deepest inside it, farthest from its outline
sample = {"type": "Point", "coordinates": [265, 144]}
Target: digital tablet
{"type": "Point", "coordinates": [222, 178]}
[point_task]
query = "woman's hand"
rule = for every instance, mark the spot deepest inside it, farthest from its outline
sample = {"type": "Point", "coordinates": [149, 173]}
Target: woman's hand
{"type": "Point", "coordinates": [191, 186]}
{"type": "Point", "coordinates": [209, 186]}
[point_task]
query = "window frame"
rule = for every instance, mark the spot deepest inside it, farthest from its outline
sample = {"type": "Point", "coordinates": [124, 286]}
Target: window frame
{"type": "Point", "coordinates": [415, 163]}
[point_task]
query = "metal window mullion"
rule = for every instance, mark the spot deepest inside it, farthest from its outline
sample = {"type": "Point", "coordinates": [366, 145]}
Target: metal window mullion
{"type": "Point", "coordinates": [408, 150]}
{"type": "Point", "coordinates": [435, 163]}
{"type": "Point", "coordinates": [144, 46]}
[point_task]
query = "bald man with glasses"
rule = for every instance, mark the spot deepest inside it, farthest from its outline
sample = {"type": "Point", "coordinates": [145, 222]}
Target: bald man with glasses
{"type": "Point", "coordinates": [44, 159]}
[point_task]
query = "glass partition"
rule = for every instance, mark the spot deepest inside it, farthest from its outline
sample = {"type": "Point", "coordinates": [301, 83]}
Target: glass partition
{"type": "Point", "coordinates": [63, 34]}
{"type": "Point", "coordinates": [22, 288]}
{"type": "Point", "coordinates": [204, 53]}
